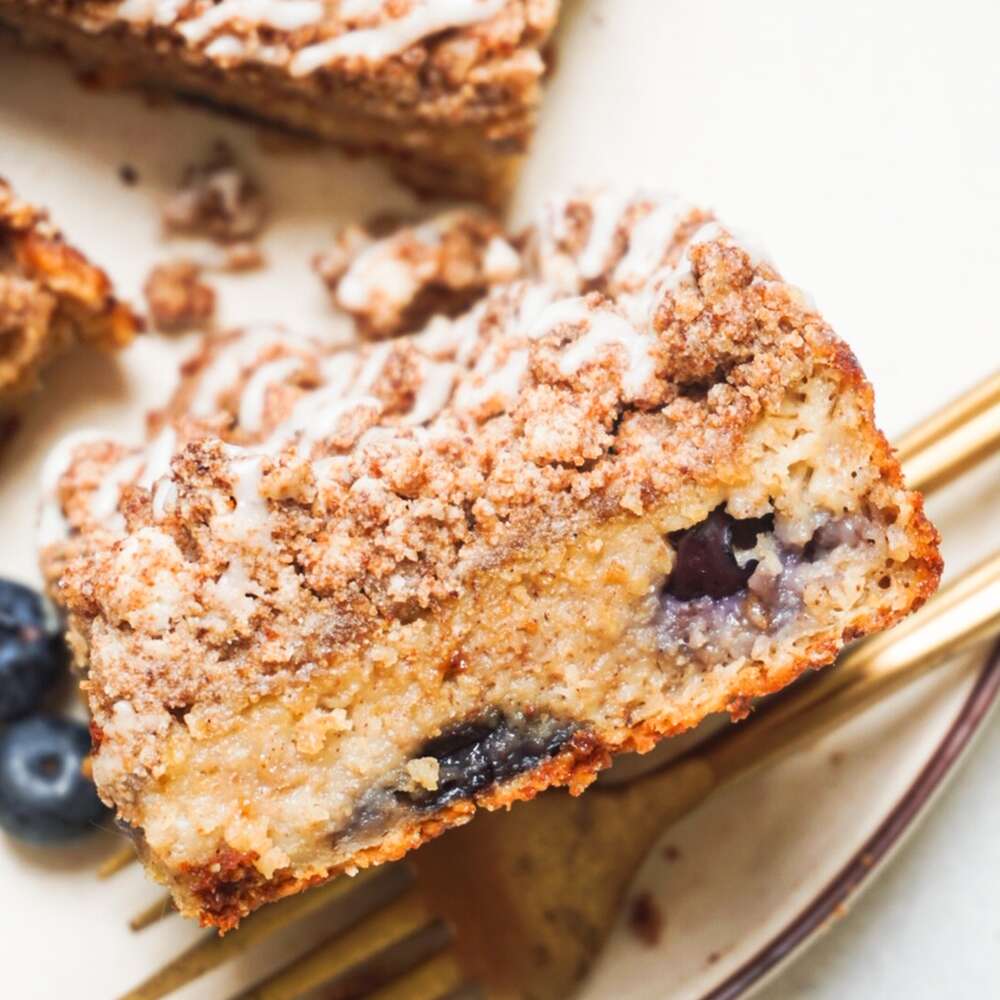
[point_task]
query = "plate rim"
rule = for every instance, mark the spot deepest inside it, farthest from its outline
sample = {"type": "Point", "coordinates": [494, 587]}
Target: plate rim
{"type": "Point", "coordinates": [868, 860]}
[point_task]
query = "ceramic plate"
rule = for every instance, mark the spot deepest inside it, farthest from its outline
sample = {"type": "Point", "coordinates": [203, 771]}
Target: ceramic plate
{"type": "Point", "coordinates": [850, 138]}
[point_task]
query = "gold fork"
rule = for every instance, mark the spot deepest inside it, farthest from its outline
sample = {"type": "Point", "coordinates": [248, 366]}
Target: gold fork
{"type": "Point", "coordinates": [533, 893]}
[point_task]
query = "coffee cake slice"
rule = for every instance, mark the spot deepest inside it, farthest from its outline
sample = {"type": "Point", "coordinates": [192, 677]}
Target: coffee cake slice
{"type": "Point", "coordinates": [448, 90]}
{"type": "Point", "coordinates": [51, 297]}
{"type": "Point", "coordinates": [342, 598]}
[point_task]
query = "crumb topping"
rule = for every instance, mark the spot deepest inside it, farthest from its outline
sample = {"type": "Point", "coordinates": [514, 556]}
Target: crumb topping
{"type": "Point", "coordinates": [292, 495]}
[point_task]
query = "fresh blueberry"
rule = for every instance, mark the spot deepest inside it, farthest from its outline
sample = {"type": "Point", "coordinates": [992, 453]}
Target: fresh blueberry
{"type": "Point", "coordinates": [32, 650]}
{"type": "Point", "coordinates": [705, 565]}
{"type": "Point", "coordinates": [44, 795]}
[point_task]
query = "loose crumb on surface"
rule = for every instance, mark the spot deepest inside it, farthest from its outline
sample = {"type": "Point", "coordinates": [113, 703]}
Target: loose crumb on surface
{"type": "Point", "coordinates": [128, 175]}
{"type": "Point", "coordinates": [177, 297]}
{"type": "Point", "coordinates": [217, 199]}
{"type": "Point", "coordinates": [242, 256]}
{"type": "Point", "coordinates": [645, 918]}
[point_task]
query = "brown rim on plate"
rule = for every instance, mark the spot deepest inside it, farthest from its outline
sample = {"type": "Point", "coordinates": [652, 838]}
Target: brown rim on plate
{"type": "Point", "coordinates": [877, 847]}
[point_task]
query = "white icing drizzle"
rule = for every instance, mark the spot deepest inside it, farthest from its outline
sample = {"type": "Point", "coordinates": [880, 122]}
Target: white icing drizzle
{"type": "Point", "coordinates": [316, 416]}
{"type": "Point", "coordinates": [608, 328]}
{"type": "Point", "coordinates": [372, 367]}
{"type": "Point", "coordinates": [563, 312]}
{"type": "Point", "coordinates": [649, 241]}
{"type": "Point", "coordinates": [706, 232]}
{"type": "Point", "coordinates": [604, 328]}
{"type": "Point", "coordinates": [227, 365]}
{"type": "Point", "coordinates": [499, 384]}
{"type": "Point", "coordinates": [703, 234]}
{"type": "Point", "coordinates": [439, 336]}
{"type": "Point", "coordinates": [437, 382]}
{"type": "Point", "coordinates": [104, 502]}
{"type": "Point", "coordinates": [534, 300]}
{"type": "Point", "coordinates": [286, 15]}
{"type": "Point", "coordinates": [353, 9]}
{"type": "Point", "coordinates": [339, 369]}
{"type": "Point", "coordinates": [251, 414]}
{"type": "Point", "coordinates": [235, 589]}
{"type": "Point", "coordinates": [52, 524]}
{"type": "Point", "coordinates": [250, 515]}
{"type": "Point", "coordinates": [425, 17]}
{"type": "Point", "coordinates": [608, 210]}
{"type": "Point", "coordinates": [164, 497]}
{"type": "Point", "coordinates": [377, 271]}
{"type": "Point", "coordinates": [382, 269]}
{"type": "Point", "coordinates": [457, 337]}
{"type": "Point", "coordinates": [226, 47]}
{"type": "Point", "coordinates": [501, 261]}
{"type": "Point", "coordinates": [497, 333]}
{"type": "Point", "coordinates": [159, 452]}
{"type": "Point", "coordinates": [161, 12]}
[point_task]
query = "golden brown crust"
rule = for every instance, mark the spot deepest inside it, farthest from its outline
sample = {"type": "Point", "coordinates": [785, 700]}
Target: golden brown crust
{"type": "Point", "coordinates": [50, 297]}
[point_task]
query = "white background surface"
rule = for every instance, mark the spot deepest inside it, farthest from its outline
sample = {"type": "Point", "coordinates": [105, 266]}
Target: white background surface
{"type": "Point", "coordinates": [861, 141]}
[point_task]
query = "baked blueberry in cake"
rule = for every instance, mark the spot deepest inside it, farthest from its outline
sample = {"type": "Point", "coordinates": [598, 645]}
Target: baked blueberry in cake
{"type": "Point", "coordinates": [51, 297]}
{"type": "Point", "coordinates": [342, 598]}
{"type": "Point", "coordinates": [446, 90]}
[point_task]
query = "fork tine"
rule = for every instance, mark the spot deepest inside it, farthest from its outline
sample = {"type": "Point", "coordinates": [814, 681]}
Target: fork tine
{"type": "Point", "coordinates": [153, 913]}
{"type": "Point", "coordinates": [212, 951]}
{"type": "Point", "coordinates": [116, 862]}
{"type": "Point", "coordinates": [438, 977]}
{"type": "Point", "coordinates": [951, 416]}
{"type": "Point", "coordinates": [959, 449]}
{"type": "Point", "coordinates": [328, 961]}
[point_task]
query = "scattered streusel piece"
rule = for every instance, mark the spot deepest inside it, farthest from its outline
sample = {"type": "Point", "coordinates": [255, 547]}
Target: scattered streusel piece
{"type": "Point", "coordinates": [217, 199]}
{"type": "Point", "coordinates": [177, 297]}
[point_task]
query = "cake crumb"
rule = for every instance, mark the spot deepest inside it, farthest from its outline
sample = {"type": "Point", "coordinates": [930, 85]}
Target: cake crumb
{"type": "Point", "coordinates": [424, 771]}
{"type": "Point", "coordinates": [242, 256]}
{"type": "Point", "coordinates": [217, 199]}
{"type": "Point", "coordinates": [646, 919]}
{"type": "Point", "coordinates": [128, 175]}
{"type": "Point", "coordinates": [177, 297]}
